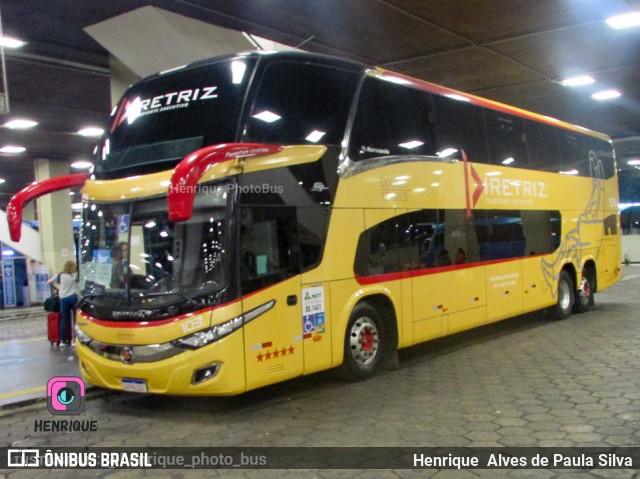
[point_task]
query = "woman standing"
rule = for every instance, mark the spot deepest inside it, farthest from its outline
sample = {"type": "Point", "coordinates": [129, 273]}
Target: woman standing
{"type": "Point", "coordinates": [67, 285]}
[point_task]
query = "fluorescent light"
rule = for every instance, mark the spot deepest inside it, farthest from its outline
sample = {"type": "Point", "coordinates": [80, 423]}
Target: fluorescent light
{"type": "Point", "coordinates": [508, 161]}
{"type": "Point", "coordinates": [91, 131]}
{"type": "Point", "coordinates": [315, 136]}
{"type": "Point", "coordinates": [570, 172]}
{"type": "Point", "coordinates": [20, 124]}
{"type": "Point", "coordinates": [267, 116]}
{"type": "Point", "coordinates": [633, 162]}
{"type": "Point", "coordinates": [578, 81]}
{"type": "Point", "coordinates": [410, 145]}
{"type": "Point", "coordinates": [606, 95]}
{"type": "Point", "coordinates": [626, 20]}
{"type": "Point", "coordinates": [7, 252]}
{"type": "Point", "coordinates": [12, 149]}
{"type": "Point", "coordinates": [81, 164]}
{"type": "Point", "coordinates": [2, 180]}
{"type": "Point", "coordinates": [10, 42]}
{"type": "Point", "coordinates": [150, 224]}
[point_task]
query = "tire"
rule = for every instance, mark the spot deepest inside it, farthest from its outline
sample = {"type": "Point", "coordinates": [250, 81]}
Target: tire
{"type": "Point", "coordinates": [364, 343]}
{"type": "Point", "coordinates": [585, 299]}
{"type": "Point", "coordinates": [566, 297]}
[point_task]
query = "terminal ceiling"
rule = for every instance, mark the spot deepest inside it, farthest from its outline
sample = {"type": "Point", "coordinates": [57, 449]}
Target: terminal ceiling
{"type": "Point", "coordinates": [513, 51]}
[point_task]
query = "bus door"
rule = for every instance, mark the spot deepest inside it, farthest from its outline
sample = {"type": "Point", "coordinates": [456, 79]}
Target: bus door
{"type": "Point", "coordinates": [270, 281]}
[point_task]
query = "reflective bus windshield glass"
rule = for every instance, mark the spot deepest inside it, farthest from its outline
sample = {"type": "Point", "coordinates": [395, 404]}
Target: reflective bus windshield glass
{"type": "Point", "coordinates": [164, 118]}
{"type": "Point", "coordinates": [131, 251]}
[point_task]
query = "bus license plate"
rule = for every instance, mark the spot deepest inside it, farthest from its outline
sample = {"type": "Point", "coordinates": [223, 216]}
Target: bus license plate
{"type": "Point", "coordinates": [134, 385]}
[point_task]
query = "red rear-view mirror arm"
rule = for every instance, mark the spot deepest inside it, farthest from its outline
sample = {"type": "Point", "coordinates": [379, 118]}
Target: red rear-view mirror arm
{"type": "Point", "coordinates": [184, 181]}
{"type": "Point", "coordinates": [33, 191]}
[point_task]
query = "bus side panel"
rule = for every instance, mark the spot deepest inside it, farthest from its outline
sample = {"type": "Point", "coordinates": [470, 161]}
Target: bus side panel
{"type": "Point", "coordinates": [464, 298]}
{"type": "Point", "coordinates": [273, 340]}
{"type": "Point", "coordinates": [537, 294]}
{"type": "Point", "coordinates": [504, 290]}
{"type": "Point", "coordinates": [316, 326]}
{"type": "Point", "coordinates": [609, 270]}
{"type": "Point", "coordinates": [429, 312]}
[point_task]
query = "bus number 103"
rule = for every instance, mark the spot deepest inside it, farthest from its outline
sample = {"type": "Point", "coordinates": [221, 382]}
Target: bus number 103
{"type": "Point", "coordinates": [192, 324]}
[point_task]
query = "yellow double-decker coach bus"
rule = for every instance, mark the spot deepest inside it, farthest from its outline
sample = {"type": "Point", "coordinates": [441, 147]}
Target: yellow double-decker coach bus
{"type": "Point", "coordinates": [258, 217]}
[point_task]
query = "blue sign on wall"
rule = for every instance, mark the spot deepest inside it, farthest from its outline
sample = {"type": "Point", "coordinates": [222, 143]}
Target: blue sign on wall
{"type": "Point", "coordinates": [9, 278]}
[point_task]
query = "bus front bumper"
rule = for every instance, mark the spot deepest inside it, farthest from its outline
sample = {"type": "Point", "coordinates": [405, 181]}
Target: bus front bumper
{"type": "Point", "coordinates": [213, 370]}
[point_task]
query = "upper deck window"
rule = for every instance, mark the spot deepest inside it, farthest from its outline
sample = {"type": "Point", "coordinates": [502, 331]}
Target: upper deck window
{"type": "Point", "coordinates": [301, 104]}
{"type": "Point", "coordinates": [392, 120]}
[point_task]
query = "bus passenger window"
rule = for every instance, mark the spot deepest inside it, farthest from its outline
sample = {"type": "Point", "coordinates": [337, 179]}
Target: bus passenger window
{"type": "Point", "coordinates": [313, 108]}
{"type": "Point", "coordinates": [460, 125]}
{"type": "Point", "coordinates": [506, 139]}
{"type": "Point", "coordinates": [542, 146]}
{"type": "Point", "coordinates": [392, 120]}
{"type": "Point", "coordinates": [500, 234]}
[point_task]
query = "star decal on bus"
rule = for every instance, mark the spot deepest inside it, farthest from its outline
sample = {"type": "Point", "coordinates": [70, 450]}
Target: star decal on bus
{"type": "Point", "coordinates": [275, 353]}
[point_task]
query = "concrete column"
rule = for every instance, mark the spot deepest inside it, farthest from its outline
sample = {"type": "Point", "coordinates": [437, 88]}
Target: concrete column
{"type": "Point", "coordinates": [55, 216]}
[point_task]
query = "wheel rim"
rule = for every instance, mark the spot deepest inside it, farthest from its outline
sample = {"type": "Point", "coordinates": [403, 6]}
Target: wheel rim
{"type": "Point", "coordinates": [564, 295]}
{"type": "Point", "coordinates": [364, 341]}
{"type": "Point", "coordinates": [585, 291]}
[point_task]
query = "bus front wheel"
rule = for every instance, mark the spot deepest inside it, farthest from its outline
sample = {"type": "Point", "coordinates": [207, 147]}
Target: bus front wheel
{"type": "Point", "coordinates": [364, 343]}
{"type": "Point", "coordinates": [564, 305]}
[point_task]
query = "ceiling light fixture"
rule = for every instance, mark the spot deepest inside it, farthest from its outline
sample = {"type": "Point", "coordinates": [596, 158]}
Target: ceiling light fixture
{"type": "Point", "coordinates": [606, 95]}
{"type": "Point", "coordinates": [91, 131]}
{"type": "Point", "coordinates": [626, 20]}
{"type": "Point", "coordinates": [578, 81]}
{"type": "Point", "coordinates": [633, 162]}
{"type": "Point", "coordinates": [12, 149]}
{"type": "Point", "coordinates": [81, 164]}
{"type": "Point", "coordinates": [10, 42]}
{"type": "Point", "coordinates": [20, 124]}
{"type": "Point", "coordinates": [2, 180]}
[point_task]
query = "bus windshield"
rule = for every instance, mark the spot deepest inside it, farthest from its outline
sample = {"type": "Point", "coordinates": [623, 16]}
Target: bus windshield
{"type": "Point", "coordinates": [162, 119]}
{"type": "Point", "coordinates": [136, 263]}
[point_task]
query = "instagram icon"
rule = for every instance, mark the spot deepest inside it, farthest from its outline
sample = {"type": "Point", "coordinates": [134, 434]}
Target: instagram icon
{"type": "Point", "coordinates": [65, 396]}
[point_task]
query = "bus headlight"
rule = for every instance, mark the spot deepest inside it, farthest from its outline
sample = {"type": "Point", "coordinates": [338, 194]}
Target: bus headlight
{"type": "Point", "coordinates": [207, 336]}
{"type": "Point", "coordinates": [82, 336]}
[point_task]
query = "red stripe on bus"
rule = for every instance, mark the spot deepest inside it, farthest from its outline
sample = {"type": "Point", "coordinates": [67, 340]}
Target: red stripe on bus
{"type": "Point", "coordinates": [384, 277]}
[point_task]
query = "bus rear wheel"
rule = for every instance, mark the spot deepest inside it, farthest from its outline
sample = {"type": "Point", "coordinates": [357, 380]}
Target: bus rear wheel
{"type": "Point", "coordinates": [564, 305]}
{"type": "Point", "coordinates": [585, 292]}
{"type": "Point", "coordinates": [364, 343]}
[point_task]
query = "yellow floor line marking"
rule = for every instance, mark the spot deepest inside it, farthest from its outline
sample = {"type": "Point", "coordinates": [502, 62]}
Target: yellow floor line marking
{"type": "Point", "coordinates": [19, 341]}
{"type": "Point", "coordinates": [22, 393]}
